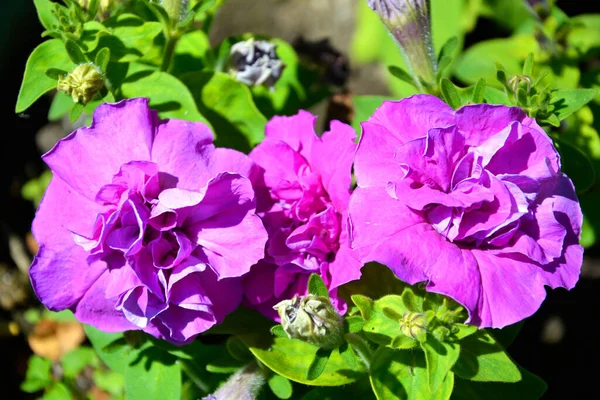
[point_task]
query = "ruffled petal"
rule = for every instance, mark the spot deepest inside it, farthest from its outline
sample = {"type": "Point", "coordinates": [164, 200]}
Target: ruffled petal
{"type": "Point", "coordinates": [120, 132]}
{"type": "Point", "coordinates": [332, 158]}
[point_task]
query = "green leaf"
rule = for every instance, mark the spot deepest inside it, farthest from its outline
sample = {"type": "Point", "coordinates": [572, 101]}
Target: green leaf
{"type": "Point", "coordinates": [448, 48]}
{"type": "Point", "coordinates": [292, 358]}
{"type": "Point", "coordinates": [364, 304]}
{"type": "Point", "coordinates": [495, 96]}
{"type": "Point", "coordinates": [461, 331]}
{"type": "Point", "coordinates": [91, 35]}
{"type": "Point", "coordinates": [401, 74]}
{"type": "Point", "coordinates": [49, 54]}
{"type": "Point", "coordinates": [530, 387]}
{"type": "Point", "coordinates": [132, 38]}
{"type": "Point", "coordinates": [318, 364]}
{"type": "Point", "coordinates": [440, 357]}
{"type": "Point", "coordinates": [316, 286]}
{"type": "Point", "coordinates": [280, 386]}
{"type": "Point", "coordinates": [238, 349]}
{"type": "Point", "coordinates": [102, 59]}
{"type": "Point", "coordinates": [348, 355]}
{"type": "Point", "coordinates": [116, 360]}
{"type": "Point", "coordinates": [74, 52]}
{"type": "Point", "coordinates": [397, 374]}
{"type": "Point", "coordinates": [75, 361]}
{"type": "Point", "coordinates": [479, 91]}
{"type": "Point", "coordinates": [355, 323]}
{"type": "Point", "coordinates": [411, 301]}
{"type": "Point", "coordinates": [277, 330]}
{"type": "Point", "coordinates": [577, 165]}
{"type": "Point", "coordinates": [76, 111]}
{"type": "Point", "coordinates": [57, 391]}
{"type": "Point", "coordinates": [224, 365]}
{"type": "Point", "coordinates": [44, 10]}
{"type": "Point", "coordinates": [110, 381]}
{"type": "Point", "coordinates": [55, 73]}
{"type": "Point", "coordinates": [229, 107]}
{"type": "Point", "coordinates": [381, 327]}
{"type": "Point", "coordinates": [479, 60]}
{"type": "Point", "coordinates": [38, 374]}
{"type": "Point", "coordinates": [192, 53]}
{"type": "Point", "coordinates": [588, 235]}
{"type": "Point", "coordinates": [508, 334]}
{"type": "Point", "coordinates": [567, 101]}
{"type": "Point", "coordinates": [450, 93]}
{"type": "Point", "coordinates": [528, 65]}
{"type": "Point", "coordinates": [167, 95]}
{"type": "Point", "coordinates": [483, 359]}
{"type": "Point", "coordinates": [152, 375]}
{"type": "Point", "coordinates": [376, 281]}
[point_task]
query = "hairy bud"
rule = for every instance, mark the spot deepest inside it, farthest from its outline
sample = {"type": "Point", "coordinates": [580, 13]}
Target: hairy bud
{"type": "Point", "coordinates": [311, 319]}
{"type": "Point", "coordinates": [82, 83]}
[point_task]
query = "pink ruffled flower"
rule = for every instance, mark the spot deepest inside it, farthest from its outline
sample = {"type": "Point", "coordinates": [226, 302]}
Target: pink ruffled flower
{"type": "Point", "coordinates": [472, 201]}
{"type": "Point", "coordinates": [303, 195]}
{"type": "Point", "coordinates": [145, 225]}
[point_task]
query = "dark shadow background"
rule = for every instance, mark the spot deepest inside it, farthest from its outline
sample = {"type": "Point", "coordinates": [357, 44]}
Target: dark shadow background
{"type": "Point", "coordinates": [569, 365]}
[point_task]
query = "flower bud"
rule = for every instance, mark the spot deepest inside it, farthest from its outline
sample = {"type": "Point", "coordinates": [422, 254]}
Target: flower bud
{"type": "Point", "coordinates": [413, 324]}
{"type": "Point", "coordinates": [409, 21]}
{"type": "Point", "coordinates": [177, 9]}
{"type": "Point", "coordinates": [243, 385]}
{"type": "Point", "coordinates": [82, 83]}
{"type": "Point", "coordinates": [255, 62]}
{"type": "Point", "coordinates": [311, 319]}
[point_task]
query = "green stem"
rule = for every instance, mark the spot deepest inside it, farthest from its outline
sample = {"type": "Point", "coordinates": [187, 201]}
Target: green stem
{"type": "Point", "coordinates": [168, 53]}
{"type": "Point", "coordinates": [194, 376]}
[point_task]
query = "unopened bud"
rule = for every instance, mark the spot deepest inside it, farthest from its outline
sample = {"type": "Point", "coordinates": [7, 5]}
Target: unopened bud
{"type": "Point", "coordinates": [413, 324]}
{"type": "Point", "coordinates": [255, 62]}
{"type": "Point", "coordinates": [311, 319]}
{"type": "Point", "coordinates": [82, 83]}
{"type": "Point", "coordinates": [409, 21]}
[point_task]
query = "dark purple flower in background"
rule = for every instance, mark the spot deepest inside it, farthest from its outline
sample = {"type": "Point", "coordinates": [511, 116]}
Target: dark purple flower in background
{"type": "Point", "coordinates": [145, 225]}
{"type": "Point", "coordinates": [303, 195]}
{"type": "Point", "coordinates": [471, 201]}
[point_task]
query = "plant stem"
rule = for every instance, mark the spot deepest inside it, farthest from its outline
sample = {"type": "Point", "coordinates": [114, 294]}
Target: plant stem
{"type": "Point", "coordinates": [168, 53]}
{"type": "Point", "coordinates": [194, 376]}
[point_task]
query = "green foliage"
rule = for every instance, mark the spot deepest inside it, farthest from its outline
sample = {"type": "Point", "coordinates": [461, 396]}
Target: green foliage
{"type": "Point", "coordinates": [483, 359]}
{"type": "Point", "coordinates": [38, 375]}
{"type": "Point", "coordinates": [399, 374]}
{"type": "Point", "coordinates": [49, 54]}
{"type": "Point", "coordinates": [229, 107]}
{"type": "Point", "coordinates": [316, 286]}
{"type": "Point", "coordinates": [152, 375]}
{"type": "Point", "coordinates": [280, 386]}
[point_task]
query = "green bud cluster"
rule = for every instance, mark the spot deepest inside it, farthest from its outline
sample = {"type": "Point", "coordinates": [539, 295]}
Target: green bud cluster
{"type": "Point", "coordinates": [528, 93]}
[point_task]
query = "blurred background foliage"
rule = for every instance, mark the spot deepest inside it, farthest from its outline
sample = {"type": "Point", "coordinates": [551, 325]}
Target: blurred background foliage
{"type": "Point", "coordinates": [342, 46]}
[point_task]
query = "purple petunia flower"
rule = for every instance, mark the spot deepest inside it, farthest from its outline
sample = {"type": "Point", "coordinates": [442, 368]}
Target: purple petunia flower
{"type": "Point", "coordinates": [145, 225]}
{"type": "Point", "coordinates": [303, 195]}
{"type": "Point", "coordinates": [472, 201]}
